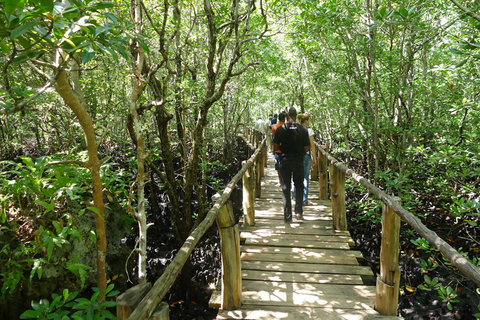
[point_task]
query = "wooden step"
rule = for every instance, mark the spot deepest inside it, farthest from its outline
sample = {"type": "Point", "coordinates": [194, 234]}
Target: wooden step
{"type": "Point", "coordinates": [363, 271]}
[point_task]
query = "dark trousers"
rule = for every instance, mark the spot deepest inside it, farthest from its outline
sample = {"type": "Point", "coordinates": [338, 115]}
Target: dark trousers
{"type": "Point", "coordinates": [287, 169]}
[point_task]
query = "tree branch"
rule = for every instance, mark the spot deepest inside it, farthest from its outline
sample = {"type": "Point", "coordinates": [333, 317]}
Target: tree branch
{"type": "Point", "coordinates": [19, 106]}
{"type": "Point", "coordinates": [466, 11]}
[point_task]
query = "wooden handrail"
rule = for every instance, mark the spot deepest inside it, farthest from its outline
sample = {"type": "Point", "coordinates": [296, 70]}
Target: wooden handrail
{"type": "Point", "coordinates": [458, 260]}
{"type": "Point", "coordinates": [152, 299]}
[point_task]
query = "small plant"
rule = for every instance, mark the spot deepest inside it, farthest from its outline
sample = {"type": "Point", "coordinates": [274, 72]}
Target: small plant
{"type": "Point", "coordinates": [428, 265]}
{"type": "Point", "coordinates": [370, 212]}
{"type": "Point", "coordinates": [430, 284]}
{"type": "Point", "coordinates": [423, 244]}
{"type": "Point", "coordinates": [64, 306]}
{"type": "Point", "coordinates": [449, 295]}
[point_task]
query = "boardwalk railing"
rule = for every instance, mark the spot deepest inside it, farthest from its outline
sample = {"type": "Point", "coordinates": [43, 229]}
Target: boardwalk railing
{"type": "Point", "coordinates": [144, 301]}
{"type": "Point", "coordinates": [386, 300]}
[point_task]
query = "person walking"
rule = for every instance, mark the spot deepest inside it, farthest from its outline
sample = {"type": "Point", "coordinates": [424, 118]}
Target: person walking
{"type": "Point", "coordinates": [309, 159]}
{"type": "Point", "coordinates": [293, 142]}
{"type": "Point", "coordinates": [281, 122]}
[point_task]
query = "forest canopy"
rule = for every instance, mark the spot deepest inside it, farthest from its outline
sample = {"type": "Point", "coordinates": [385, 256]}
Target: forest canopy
{"type": "Point", "coordinates": [105, 104]}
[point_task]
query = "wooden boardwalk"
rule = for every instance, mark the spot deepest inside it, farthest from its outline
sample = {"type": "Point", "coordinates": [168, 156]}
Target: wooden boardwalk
{"type": "Point", "coordinates": [300, 270]}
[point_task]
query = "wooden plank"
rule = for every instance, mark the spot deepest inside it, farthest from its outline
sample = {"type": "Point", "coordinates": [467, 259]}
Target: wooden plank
{"type": "Point", "coordinates": [307, 294]}
{"type": "Point", "coordinates": [301, 277]}
{"type": "Point", "coordinates": [362, 271]}
{"type": "Point", "coordinates": [281, 312]}
{"type": "Point", "coordinates": [302, 252]}
{"type": "Point", "coordinates": [294, 227]}
{"type": "Point", "coordinates": [296, 243]}
{"type": "Point", "coordinates": [320, 258]}
{"type": "Point", "coordinates": [272, 214]}
{"type": "Point", "coordinates": [301, 237]}
{"type": "Point", "coordinates": [305, 224]}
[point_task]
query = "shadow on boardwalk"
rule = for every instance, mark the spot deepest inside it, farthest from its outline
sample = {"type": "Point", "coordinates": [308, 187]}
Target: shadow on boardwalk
{"type": "Point", "coordinates": [303, 269]}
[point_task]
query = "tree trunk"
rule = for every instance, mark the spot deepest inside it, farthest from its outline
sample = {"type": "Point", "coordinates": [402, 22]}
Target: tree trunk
{"type": "Point", "coordinates": [94, 163]}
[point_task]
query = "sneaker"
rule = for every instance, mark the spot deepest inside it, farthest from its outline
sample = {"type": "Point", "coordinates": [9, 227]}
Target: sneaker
{"type": "Point", "coordinates": [299, 217]}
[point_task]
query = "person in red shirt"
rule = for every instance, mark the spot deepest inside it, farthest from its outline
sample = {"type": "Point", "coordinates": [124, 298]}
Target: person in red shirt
{"type": "Point", "coordinates": [281, 122]}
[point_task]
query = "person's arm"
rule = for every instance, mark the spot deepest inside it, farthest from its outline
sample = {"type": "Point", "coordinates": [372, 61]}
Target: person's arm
{"type": "Point", "coordinates": [313, 153]}
{"type": "Point", "coordinates": [276, 146]}
{"type": "Point", "coordinates": [306, 141]}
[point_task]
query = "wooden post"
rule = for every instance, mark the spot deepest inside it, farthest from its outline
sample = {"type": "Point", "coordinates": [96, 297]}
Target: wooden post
{"type": "Point", "coordinates": [386, 299]}
{"type": "Point", "coordinates": [162, 312]}
{"type": "Point", "coordinates": [337, 194]}
{"type": "Point", "coordinates": [231, 264]}
{"type": "Point", "coordinates": [258, 177]}
{"type": "Point", "coordinates": [248, 196]}
{"type": "Point", "coordinates": [129, 300]}
{"type": "Point", "coordinates": [322, 177]}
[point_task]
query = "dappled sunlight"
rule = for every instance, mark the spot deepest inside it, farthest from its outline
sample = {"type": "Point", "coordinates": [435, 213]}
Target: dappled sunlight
{"type": "Point", "coordinates": [302, 269]}
{"type": "Point", "coordinates": [256, 314]}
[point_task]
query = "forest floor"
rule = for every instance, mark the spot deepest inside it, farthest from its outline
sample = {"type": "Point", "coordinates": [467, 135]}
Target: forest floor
{"type": "Point", "coordinates": [415, 303]}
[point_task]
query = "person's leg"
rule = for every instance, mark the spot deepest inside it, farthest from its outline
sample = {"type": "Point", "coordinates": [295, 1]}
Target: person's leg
{"type": "Point", "coordinates": [277, 167]}
{"type": "Point", "coordinates": [298, 182]}
{"type": "Point", "coordinates": [286, 173]}
{"type": "Point", "coordinates": [307, 165]}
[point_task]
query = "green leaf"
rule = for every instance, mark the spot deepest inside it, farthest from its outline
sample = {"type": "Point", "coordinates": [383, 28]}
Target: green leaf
{"type": "Point", "coordinates": [94, 210]}
{"type": "Point", "coordinates": [456, 51]}
{"type": "Point", "coordinates": [48, 206]}
{"type": "Point", "coordinates": [30, 314]}
{"type": "Point", "coordinates": [4, 46]}
{"type": "Point", "coordinates": [28, 162]}
{"type": "Point", "coordinates": [26, 56]}
{"type": "Point", "coordinates": [46, 6]}
{"type": "Point", "coordinates": [18, 31]}
{"type": "Point", "coordinates": [11, 5]}
{"type": "Point", "coordinates": [143, 45]}
{"type": "Point", "coordinates": [121, 51]}
{"type": "Point", "coordinates": [383, 12]}
{"type": "Point", "coordinates": [111, 17]}
{"type": "Point", "coordinates": [102, 5]}
{"type": "Point", "coordinates": [472, 223]}
{"type": "Point", "coordinates": [403, 12]}
{"type": "Point", "coordinates": [49, 249]}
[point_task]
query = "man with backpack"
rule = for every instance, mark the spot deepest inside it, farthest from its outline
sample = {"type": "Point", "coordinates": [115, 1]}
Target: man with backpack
{"type": "Point", "coordinates": [292, 140]}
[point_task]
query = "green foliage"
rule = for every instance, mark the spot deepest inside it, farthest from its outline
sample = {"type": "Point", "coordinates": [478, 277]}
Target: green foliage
{"type": "Point", "coordinates": [371, 211]}
{"type": "Point", "coordinates": [428, 265]}
{"type": "Point", "coordinates": [448, 294]}
{"type": "Point", "coordinates": [78, 269]}
{"type": "Point", "coordinates": [36, 196]}
{"type": "Point", "coordinates": [424, 245]}
{"type": "Point", "coordinates": [65, 307]}
{"type": "Point", "coordinates": [467, 210]}
{"type": "Point", "coordinates": [430, 284]}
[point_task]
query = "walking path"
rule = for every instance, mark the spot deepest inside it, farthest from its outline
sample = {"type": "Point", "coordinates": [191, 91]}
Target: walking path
{"type": "Point", "coordinates": [303, 269]}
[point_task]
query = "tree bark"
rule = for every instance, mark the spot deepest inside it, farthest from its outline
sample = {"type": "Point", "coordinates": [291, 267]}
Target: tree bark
{"type": "Point", "coordinates": [94, 163]}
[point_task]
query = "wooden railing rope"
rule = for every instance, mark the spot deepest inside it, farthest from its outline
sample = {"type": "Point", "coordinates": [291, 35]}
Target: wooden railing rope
{"type": "Point", "coordinates": [153, 298]}
{"type": "Point", "coordinates": [458, 260]}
